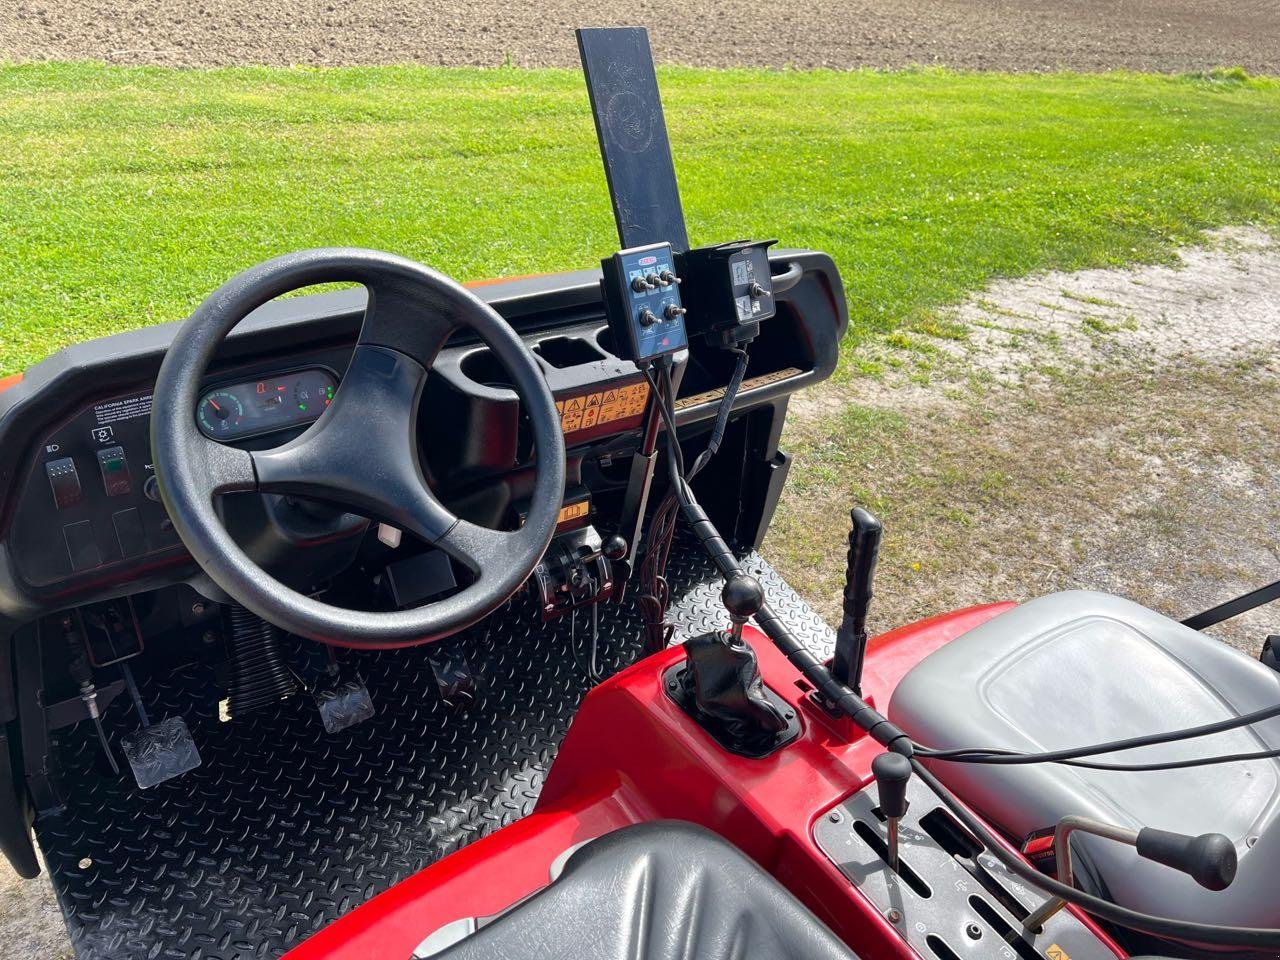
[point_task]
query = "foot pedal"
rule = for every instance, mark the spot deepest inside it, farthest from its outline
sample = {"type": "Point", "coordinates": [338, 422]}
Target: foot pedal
{"type": "Point", "coordinates": [454, 678]}
{"type": "Point", "coordinates": [161, 752]}
{"type": "Point", "coordinates": [343, 705]}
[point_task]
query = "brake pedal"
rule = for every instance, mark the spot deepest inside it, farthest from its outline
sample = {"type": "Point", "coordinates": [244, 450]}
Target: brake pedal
{"type": "Point", "coordinates": [158, 751]}
{"type": "Point", "coordinates": [161, 752]}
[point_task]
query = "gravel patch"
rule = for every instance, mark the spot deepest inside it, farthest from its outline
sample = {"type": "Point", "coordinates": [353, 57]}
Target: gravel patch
{"type": "Point", "coordinates": [1106, 429]}
{"type": "Point", "coordinates": [1020, 35]}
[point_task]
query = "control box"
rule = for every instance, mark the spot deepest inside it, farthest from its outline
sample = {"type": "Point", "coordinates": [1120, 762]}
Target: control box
{"type": "Point", "coordinates": [642, 298]}
{"type": "Point", "coordinates": [728, 290]}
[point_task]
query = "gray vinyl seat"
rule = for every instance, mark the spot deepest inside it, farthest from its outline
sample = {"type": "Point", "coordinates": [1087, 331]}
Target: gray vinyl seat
{"type": "Point", "coordinates": [1078, 668]}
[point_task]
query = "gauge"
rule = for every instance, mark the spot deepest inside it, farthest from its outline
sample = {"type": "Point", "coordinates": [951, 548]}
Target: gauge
{"type": "Point", "coordinates": [313, 392]}
{"type": "Point", "coordinates": [280, 402]}
{"type": "Point", "coordinates": [221, 413]}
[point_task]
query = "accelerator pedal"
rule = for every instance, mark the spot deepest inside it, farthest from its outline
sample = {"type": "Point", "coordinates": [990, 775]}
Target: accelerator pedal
{"type": "Point", "coordinates": [343, 703]}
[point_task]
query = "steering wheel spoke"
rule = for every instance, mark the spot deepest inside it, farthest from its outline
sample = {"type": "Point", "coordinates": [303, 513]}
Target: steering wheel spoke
{"type": "Point", "coordinates": [227, 469]}
{"type": "Point", "coordinates": [480, 548]}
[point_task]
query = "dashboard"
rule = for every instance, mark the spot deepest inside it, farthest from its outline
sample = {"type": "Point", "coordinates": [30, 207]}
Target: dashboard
{"type": "Point", "coordinates": [80, 515]}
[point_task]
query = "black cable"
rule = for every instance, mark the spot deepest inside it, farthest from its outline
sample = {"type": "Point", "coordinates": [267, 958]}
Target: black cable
{"type": "Point", "coordinates": [722, 416]}
{"type": "Point", "coordinates": [1173, 764]}
{"type": "Point", "coordinates": [997, 755]}
{"type": "Point", "coordinates": [1254, 937]}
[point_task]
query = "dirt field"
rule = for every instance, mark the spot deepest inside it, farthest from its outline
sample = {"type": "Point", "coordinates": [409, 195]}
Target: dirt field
{"type": "Point", "coordinates": [1162, 35]}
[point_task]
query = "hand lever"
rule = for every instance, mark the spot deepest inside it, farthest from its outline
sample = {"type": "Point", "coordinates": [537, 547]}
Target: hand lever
{"type": "Point", "coordinates": [1210, 859]}
{"type": "Point", "coordinates": [892, 772]}
{"type": "Point", "coordinates": [860, 570]}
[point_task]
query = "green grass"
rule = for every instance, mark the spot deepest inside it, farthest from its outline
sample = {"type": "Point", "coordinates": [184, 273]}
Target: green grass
{"type": "Point", "coordinates": [126, 194]}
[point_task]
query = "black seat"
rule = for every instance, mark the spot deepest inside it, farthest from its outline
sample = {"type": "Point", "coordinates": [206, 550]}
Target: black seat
{"type": "Point", "coordinates": [658, 891]}
{"type": "Point", "coordinates": [1080, 667]}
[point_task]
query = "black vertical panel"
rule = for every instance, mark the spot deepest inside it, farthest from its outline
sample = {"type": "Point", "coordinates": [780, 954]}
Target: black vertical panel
{"type": "Point", "coordinates": [633, 136]}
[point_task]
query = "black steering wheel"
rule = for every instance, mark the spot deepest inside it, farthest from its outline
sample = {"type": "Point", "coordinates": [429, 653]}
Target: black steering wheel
{"type": "Point", "coordinates": [363, 451]}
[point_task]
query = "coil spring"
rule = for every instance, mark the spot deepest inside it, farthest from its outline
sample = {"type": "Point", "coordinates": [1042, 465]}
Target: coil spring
{"type": "Point", "coordinates": [259, 675]}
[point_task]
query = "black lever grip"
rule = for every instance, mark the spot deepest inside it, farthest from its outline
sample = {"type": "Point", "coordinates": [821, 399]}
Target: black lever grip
{"type": "Point", "coordinates": [892, 772]}
{"type": "Point", "coordinates": [864, 550]}
{"type": "Point", "coordinates": [1210, 859]}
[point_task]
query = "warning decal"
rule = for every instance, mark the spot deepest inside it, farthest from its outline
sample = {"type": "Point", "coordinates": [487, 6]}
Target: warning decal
{"type": "Point", "coordinates": [603, 406]}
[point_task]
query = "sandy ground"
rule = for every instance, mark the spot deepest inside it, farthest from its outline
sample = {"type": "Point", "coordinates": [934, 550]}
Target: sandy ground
{"type": "Point", "coordinates": [1111, 429]}
{"type": "Point", "coordinates": [1161, 35]}
{"type": "Point", "coordinates": [1108, 429]}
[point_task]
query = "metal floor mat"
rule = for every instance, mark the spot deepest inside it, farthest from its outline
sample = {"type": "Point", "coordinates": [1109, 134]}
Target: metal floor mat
{"type": "Point", "coordinates": [285, 828]}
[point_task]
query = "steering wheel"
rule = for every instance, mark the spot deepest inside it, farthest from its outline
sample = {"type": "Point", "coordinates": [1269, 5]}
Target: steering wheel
{"type": "Point", "coordinates": [363, 451]}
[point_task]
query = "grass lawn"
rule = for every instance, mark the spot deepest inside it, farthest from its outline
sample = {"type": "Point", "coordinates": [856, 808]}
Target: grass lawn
{"type": "Point", "coordinates": [129, 193]}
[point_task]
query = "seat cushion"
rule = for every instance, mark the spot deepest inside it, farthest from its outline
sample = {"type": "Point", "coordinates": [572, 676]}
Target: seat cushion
{"type": "Point", "coordinates": [1076, 668]}
{"type": "Point", "coordinates": [658, 891]}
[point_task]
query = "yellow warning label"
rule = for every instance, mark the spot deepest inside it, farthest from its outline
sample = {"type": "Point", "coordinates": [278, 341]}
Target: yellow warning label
{"type": "Point", "coordinates": [603, 406]}
{"type": "Point", "coordinates": [573, 511]}
{"type": "Point", "coordinates": [1055, 952]}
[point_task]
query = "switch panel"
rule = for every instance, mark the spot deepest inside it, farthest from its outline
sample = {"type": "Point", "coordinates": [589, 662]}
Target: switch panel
{"type": "Point", "coordinates": [642, 297]}
{"type": "Point", "coordinates": [728, 290]}
{"type": "Point", "coordinates": [115, 471]}
{"type": "Point", "coordinates": [64, 481]}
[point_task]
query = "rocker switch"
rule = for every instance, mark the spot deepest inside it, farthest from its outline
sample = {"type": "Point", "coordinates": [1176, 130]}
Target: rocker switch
{"type": "Point", "coordinates": [64, 482]}
{"type": "Point", "coordinates": [115, 471]}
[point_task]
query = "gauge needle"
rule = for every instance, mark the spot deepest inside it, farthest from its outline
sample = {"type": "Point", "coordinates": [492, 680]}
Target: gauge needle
{"type": "Point", "coordinates": [214, 403]}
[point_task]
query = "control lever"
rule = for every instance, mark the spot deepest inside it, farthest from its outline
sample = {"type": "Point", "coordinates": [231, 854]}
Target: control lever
{"type": "Point", "coordinates": [892, 772]}
{"type": "Point", "coordinates": [860, 570]}
{"type": "Point", "coordinates": [1209, 859]}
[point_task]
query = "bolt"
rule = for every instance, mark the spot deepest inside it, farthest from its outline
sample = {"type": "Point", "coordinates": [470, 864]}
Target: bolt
{"type": "Point", "coordinates": [895, 916]}
{"type": "Point", "coordinates": [834, 816]}
{"type": "Point", "coordinates": [973, 931]}
{"type": "Point", "coordinates": [197, 609]}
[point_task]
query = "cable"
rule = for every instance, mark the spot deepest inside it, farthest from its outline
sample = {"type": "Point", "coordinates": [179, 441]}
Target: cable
{"type": "Point", "coordinates": [722, 416]}
{"type": "Point", "coordinates": [997, 755]}
{"type": "Point", "coordinates": [1172, 764]}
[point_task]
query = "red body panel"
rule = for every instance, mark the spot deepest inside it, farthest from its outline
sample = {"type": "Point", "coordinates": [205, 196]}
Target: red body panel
{"type": "Point", "coordinates": [631, 755]}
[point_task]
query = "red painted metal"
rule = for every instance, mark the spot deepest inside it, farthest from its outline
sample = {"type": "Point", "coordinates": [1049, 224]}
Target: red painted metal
{"type": "Point", "coordinates": [10, 381]}
{"type": "Point", "coordinates": [632, 755]}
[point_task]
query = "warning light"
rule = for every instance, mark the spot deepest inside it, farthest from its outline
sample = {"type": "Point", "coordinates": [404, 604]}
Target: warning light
{"type": "Point", "coordinates": [262, 388]}
{"type": "Point", "coordinates": [302, 407]}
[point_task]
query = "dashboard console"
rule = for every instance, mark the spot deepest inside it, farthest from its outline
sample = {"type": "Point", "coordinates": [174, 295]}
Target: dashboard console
{"type": "Point", "coordinates": [80, 517]}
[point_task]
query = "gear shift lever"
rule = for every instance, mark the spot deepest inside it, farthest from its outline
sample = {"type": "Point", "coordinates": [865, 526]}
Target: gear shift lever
{"type": "Point", "coordinates": [892, 772]}
{"type": "Point", "coordinates": [722, 683]}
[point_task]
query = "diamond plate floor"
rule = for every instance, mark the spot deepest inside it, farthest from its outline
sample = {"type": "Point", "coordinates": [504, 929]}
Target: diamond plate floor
{"type": "Point", "coordinates": [285, 828]}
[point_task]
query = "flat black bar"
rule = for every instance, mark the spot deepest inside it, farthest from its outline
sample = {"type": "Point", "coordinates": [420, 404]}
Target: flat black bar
{"type": "Point", "coordinates": [1233, 608]}
{"type": "Point", "coordinates": [632, 130]}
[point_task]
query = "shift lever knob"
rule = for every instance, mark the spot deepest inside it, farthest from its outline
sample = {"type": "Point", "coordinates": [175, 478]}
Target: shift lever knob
{"type": "Point", "coordinates": [743, 597]}
{"type": "Point", "coordinates": [892, 772]}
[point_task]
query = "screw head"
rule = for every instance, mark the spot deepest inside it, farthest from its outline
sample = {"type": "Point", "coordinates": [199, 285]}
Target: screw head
{"type": "Point", "coordinates": [894, 915]}
{"type": "Point", "coordinates": [973, 931]}
{"type": "Point", "coordinates": [834, 816]}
